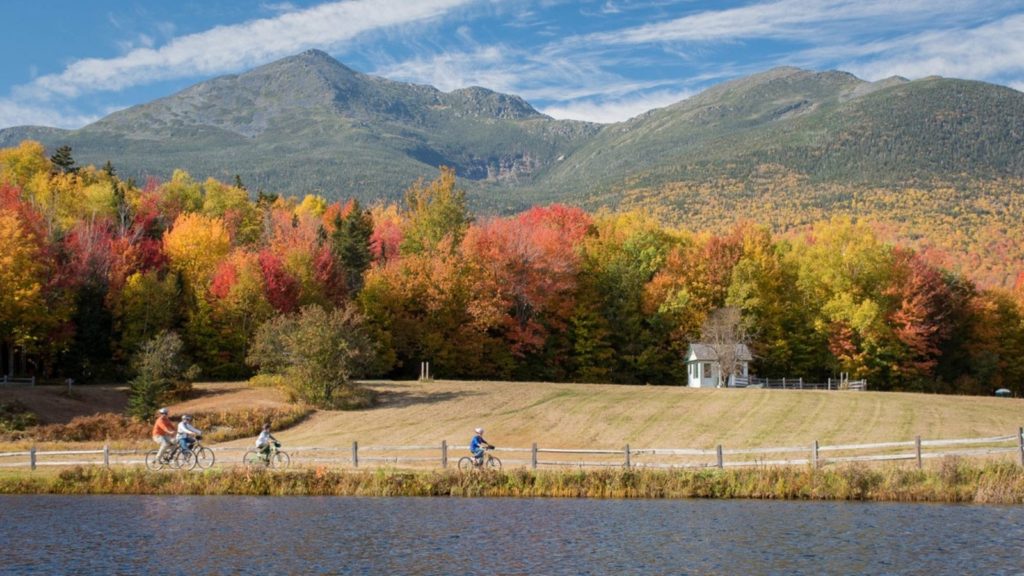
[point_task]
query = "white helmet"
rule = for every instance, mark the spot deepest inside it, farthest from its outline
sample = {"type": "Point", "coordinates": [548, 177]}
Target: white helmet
{"type": "Point", "coordinates": [479, 430]}
{"type": "Point", "coordinates": [163, 411]}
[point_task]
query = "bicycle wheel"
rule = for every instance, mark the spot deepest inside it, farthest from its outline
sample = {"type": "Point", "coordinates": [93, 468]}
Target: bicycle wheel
{"type": "Point", "coordinates": [152, 462]}
{"type": "Point", "coordinates": [185, 460]}
{"type": "Point", "coordinates": [280, 460]}
{"type": "Point", "coordinates": [466, 464]}
{"type": "Point", "coordinates": [493, 463]}
{"type": "Point", "coordinates": [253, 459]}
{"type": "Point", "coordinates": [204, 458]}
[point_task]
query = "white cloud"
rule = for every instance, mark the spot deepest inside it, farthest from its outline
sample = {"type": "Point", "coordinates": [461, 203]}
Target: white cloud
{"type": "Point", "coordinates": [607, 110]}
{"type": "Point", "coordinates": [230, 48]}
{"type": "Point", "coordinates": [993, 50]}
{"type": "Point", "coordinates": [13, 113]}
{"type": "Point", "coordinates": [795, 19]}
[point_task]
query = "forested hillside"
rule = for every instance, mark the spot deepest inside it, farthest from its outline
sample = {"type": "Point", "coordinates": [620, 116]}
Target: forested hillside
{"type": "Point", "coordinates": [95, 266]}
{"type": "Point", "coordinates": [934, 164]}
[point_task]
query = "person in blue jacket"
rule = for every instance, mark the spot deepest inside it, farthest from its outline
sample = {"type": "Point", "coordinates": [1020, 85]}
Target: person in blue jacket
{"type": "Point", "coordinates": [478, 444]}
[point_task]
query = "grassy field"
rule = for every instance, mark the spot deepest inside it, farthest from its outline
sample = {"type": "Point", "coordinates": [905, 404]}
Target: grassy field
{"type": "Point", "coordinates": [515, 414]}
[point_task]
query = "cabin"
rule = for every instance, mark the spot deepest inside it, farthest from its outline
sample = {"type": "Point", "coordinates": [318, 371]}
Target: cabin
{"type": "Point", "coordinates": [703, 370]}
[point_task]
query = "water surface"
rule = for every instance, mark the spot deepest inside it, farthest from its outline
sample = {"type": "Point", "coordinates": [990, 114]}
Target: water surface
{"type": "Point", "coordinates": [333, 535]}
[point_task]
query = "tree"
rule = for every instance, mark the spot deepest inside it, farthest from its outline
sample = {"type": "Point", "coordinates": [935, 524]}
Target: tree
{"type": "Point", "coordinates": [320, 352]}
{"type": "Point", "coordinates": [160, 375]}
{"type": "Point", "coordinates": [195, 246]}
{"type": "Point", "coordinates": [350, 245]}
{"type": "Point", "coordinates": [62, 160]}
{"type": "Point", "coordinates": [435, 212]}
{"type": "Point", "coordinates": [723, 331]}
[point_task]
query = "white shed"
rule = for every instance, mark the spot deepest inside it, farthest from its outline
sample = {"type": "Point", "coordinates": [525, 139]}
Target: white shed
{"type": "Point", "coordinates": [703, 369]}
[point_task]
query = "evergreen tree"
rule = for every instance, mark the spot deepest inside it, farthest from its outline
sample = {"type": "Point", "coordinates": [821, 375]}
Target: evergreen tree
{"type": "Point", "coordinates": [350, 245]}
{"type": "Point", "coordinates": [62, 160]}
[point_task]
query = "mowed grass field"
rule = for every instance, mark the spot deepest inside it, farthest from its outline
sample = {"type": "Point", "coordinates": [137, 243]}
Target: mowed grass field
{"type": "Point", "coordinates": [516, 414]}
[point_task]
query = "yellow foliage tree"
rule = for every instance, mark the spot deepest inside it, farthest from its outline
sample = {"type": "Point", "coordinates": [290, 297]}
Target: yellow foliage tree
{"type": "Point", "coordinates": [195, 245]}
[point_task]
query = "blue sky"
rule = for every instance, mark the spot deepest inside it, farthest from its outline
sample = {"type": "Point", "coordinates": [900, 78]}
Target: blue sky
{"type": "Point", "coordinates": [69, 62]}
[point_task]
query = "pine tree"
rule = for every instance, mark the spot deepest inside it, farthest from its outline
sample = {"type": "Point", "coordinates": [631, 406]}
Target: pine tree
{"type": "Point", "coordinates": [62, 160]}
{"type": "Point", "coordinates": [350, 245]}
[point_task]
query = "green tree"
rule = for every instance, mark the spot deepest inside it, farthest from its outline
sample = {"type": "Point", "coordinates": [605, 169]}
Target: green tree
{"type": "Point", "coordinates": [437, 215]}
{"type": "Point", "coordinates": [160, 375]}
{"type": "Point", "coordinates": [320, 352]}
{"type": "Point", "coordinates": [350, 245]}
{"type": "Point", "coordinates": [62, 160]}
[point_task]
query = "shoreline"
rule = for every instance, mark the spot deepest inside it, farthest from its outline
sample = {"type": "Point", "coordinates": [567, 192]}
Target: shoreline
{"type": "Point", "coordinates": [953, 481]}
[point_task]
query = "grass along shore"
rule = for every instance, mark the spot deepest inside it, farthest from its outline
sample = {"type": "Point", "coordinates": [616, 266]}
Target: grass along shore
{"type": "Point", "coordinates": [951, 480]}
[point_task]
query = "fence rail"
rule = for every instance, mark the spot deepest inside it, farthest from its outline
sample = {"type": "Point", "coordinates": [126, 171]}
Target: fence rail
{"type": "Point", "coordinates": [799, 384]}
{"type": "Point", "coordinates": [443, 455]}
{"type": "Point", "coordinates": [6, 380]}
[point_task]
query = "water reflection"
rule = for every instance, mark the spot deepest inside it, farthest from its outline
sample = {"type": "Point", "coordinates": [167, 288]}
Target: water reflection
{"type": "Point", "coordinates": [247, 535]}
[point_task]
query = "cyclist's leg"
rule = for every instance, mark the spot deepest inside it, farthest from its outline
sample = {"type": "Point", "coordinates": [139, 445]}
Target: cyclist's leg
{"type": "Point", "coordinates": [162, 442]}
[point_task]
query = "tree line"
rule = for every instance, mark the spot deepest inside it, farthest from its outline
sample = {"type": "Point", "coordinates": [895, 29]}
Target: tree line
{"type": "Point", "coordinates": [95, 268]}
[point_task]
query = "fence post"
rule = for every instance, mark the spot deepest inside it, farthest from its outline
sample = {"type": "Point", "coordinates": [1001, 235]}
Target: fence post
{"type": "Point", "coordinates": [801, 382]}
{"type": "Point", "coordinates": [721, 462]}
{"type": "Point", "coordinates": [627, 456]}
{"type": "Point", "coordinates": [783, 382]}
{"type": "Point", "coordinates": [444, 453]}
{"type": "Point", "coordinates": [32, 457]}
{"type": "Point", "coordinates": [106, 455]}
{"type": "Point", "coordinates": [917, 445]}
{"type": "Point", "coordinates": [814, 454]}
{"type": "Point", "coordinates": [830, 383]}
{"type": "Point", "coordinates": [355, 454]}
{"type": "Point", "coordinates": [1020, 444]}
{"type": "Point", "coordinates": [533, 456]}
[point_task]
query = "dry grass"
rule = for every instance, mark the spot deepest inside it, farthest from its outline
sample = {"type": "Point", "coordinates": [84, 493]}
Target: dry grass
{"type": "Point", "coordinates": [515, 414]}
{"type": "Point", "coordinates": [989, 483]}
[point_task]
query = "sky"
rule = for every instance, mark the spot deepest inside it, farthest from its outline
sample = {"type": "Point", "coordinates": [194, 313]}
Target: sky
{"type": "Point", "coordinates": [70, 62]}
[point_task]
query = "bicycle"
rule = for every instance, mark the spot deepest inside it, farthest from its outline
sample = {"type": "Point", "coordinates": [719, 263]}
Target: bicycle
{"type": "Point", "coordinates": [488, 462]}
{"type": "Point", "coordinates": [173, 458]}
{"type": "Point", "coordinates": [203, 457]}
{"type": "Point", "coordinates": [198, 456]}
{"type": "Point", "coordinates": [275, 458]}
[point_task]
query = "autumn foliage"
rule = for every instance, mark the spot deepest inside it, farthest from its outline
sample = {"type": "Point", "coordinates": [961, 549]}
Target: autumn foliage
{"type": "Point", "coordinates": [92, 267]}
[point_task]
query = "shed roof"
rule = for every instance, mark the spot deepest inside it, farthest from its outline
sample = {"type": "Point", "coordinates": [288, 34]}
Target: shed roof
{"type": "Point", "coordinates": [700, 352]}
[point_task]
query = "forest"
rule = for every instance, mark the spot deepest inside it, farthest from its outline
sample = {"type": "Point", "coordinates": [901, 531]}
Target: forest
{"type": "Point", "coordinates": [93, 268]}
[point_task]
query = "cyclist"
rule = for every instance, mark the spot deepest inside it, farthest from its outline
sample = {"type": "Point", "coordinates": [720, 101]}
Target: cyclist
{"type": "Point", "coordinates": [263, 442]}
{"type": "Point", "coordinates": [162, 431]}
{"type": "Point", "coordinates": [477, 445]}
{"type": "Point", "coordinates": [187, 433]}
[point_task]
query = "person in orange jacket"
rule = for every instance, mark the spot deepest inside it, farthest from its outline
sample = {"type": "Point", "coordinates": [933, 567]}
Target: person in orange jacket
{"type": "Point", "coordinates": [163, 429]}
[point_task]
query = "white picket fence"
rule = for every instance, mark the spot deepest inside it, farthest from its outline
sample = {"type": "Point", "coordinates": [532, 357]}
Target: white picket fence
{"type": "Point", "coordinates": [535, 457]}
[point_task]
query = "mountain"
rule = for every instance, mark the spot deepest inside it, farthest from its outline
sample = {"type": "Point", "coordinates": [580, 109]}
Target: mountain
{"type": "Point", "coordinates": [308, 124]}
{"type": "Point", "coordinates": [827, 127]}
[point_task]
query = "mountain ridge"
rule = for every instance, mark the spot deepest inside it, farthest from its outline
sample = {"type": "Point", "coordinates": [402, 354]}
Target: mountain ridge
{"type": "Point", "coordinates": [309, 124]}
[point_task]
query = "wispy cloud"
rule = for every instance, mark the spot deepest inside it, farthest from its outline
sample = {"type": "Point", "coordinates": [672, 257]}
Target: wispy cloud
{"type": "Point", "coordinates": [993, 50]}
{"type": "Point", "coordinates": [17, 114]}
{"type": "Point", "coordinates": [230, 48]}
{"type": "Point", "coordinates": [606, 110]}
{"type": "Point", "coordinates": [790, 19]}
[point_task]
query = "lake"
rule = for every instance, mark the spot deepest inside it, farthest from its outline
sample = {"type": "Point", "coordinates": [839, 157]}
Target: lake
{"type": "Point", "coordinates": [332, 535]}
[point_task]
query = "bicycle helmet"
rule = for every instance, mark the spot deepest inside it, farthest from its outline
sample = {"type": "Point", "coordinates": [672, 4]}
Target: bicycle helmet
{"type": "Point", "coordinates": [163, 411]}
{"type": "Point", "coordinates": [187, 417]}
{"type": "Point", "coordinates": [479, 430]}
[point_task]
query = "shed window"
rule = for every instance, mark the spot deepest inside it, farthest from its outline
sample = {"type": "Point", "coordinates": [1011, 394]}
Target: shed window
{"type": "Point", "coordinates": [707, 370]}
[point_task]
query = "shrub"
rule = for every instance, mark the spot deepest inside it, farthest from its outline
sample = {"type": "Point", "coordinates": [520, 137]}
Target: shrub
{"type": "Point", "coordinates": [95, 428]}
{"type": "Point", "coordinates": [319, 352]}
{"type": "Point", "coordinates": [15, 417]}
{"type": "Point", "coordinates": [160, 375]}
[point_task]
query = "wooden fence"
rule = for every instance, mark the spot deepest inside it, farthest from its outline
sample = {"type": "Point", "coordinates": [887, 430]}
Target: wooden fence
{"type": "Point", "coordinates": [6, 380]}
{"type": "Point", "coordinates": [799, 384]}
{"type": "Point", "coordinates": [535, 457]}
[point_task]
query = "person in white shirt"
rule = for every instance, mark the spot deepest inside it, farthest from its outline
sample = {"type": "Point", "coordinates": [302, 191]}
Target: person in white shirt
{"type": "Point", "coordinates": [187, 433]}
{"type": "Point", "coordinates": [264, 439]}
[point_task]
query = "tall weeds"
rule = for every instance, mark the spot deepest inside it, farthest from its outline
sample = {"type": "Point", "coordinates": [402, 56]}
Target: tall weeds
{"type": "Point", "coordinates": [991, 483]}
